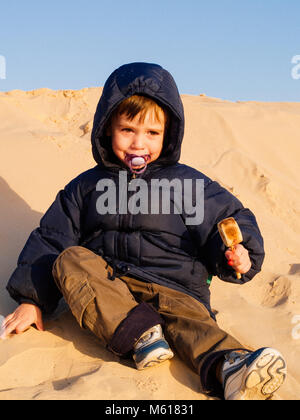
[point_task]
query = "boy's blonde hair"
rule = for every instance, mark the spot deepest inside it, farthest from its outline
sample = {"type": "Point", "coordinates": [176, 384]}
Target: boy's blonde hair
{"type": "Point", "coordinates": [138, 104]}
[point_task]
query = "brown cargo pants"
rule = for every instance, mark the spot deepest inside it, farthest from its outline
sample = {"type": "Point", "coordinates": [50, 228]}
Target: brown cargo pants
{"type": "Point", "coordinates": [118, 311]}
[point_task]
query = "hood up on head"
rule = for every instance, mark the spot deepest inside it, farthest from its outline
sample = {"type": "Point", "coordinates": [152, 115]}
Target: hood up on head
{"type": "Point", "coordinates": [146, 79]}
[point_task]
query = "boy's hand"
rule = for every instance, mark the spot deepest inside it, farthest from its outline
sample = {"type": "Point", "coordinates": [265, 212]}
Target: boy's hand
{"type": "Point", "coordinates": [239, 259]}
{"type": "Point", "coordinates": [21, 319]}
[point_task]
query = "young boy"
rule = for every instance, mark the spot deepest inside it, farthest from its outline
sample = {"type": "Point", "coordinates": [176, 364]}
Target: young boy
{"type": "Point", "coordinates": [127, 264]}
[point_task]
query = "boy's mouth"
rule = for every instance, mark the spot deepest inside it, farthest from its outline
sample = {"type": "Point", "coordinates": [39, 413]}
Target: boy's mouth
{"type": "Point", "coordinates": [136, 163]}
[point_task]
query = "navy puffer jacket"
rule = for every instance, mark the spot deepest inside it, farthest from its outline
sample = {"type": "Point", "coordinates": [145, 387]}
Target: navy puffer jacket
{"type": "Point", "coordinates": [159, 248]}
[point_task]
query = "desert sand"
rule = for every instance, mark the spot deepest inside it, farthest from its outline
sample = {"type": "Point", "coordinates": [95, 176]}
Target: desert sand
{"type": "Point", "coordinates": [251, 148]}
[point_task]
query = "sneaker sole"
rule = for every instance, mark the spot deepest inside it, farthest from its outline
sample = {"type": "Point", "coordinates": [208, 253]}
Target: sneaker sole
{"type": "Point", "coordinates": [264, 376]}
{"type": "Point", "coordinates": [155, 358]}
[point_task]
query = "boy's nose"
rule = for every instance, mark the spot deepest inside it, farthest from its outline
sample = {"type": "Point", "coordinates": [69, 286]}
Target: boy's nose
{"type": "Point", "coordinates": [138, 142]}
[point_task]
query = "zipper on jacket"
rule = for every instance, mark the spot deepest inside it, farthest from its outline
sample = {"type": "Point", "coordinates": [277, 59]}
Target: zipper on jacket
{"type": "Point", "coordinates": [124, 195]}
{"type": "Point", "coordinates": [131, 216]}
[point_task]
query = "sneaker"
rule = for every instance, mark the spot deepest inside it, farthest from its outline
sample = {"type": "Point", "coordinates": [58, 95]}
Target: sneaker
{"type": "Point", "coordinates": [151, 349]}
{"type": "Point", "coordinates": [253, 375]}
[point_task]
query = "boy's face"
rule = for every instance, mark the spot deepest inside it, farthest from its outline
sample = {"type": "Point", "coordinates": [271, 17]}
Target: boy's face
{"type": "Point", "coordinates": [137, 138]}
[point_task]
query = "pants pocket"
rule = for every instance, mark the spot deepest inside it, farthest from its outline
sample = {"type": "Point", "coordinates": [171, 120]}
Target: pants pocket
{"type": "Point", "coordinates": [77, 293]}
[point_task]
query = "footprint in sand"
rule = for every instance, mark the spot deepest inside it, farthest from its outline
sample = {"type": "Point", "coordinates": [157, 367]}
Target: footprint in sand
{"type": "Point", "coordinates": [277, 292]}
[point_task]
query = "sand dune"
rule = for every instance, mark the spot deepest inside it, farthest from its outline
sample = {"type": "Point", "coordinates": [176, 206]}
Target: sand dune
{"type": "Point", "coordinates": [251, 148]}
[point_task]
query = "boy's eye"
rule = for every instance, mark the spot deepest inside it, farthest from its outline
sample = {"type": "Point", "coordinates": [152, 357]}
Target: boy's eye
{"type": "Point", "coordinates": [127, 130]}
{"type": "Point", "coordinates": [153, 133]}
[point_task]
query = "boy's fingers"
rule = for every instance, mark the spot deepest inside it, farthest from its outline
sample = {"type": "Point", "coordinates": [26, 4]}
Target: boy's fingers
{"type": "Point", "coordinates": [243, 268]}
{"type": "Point", "coordinates": [229, 254]}
{"type": "Point", "coordinates": [239, 250]}
{"type": "Point", "coordinates": [20, 320]}
{"type": "Point", "coordinates": [240, 264]}
{"type": "Point", "coordinates": [9, 328]}
{"type": "Point", "coordinates": [238, 259]}
{"type": "Point", "coordinates": [21, 327]}
{"type": "Point", "coordinates": [39, 325]}
{"type": "Point", "coordinates": [8, 323]}
{"type": "Point", "coordinates": [17, 326]}
{"type": "Point", "coordinates": [6, 320]}
{"type": "Point", "coordinates": [14, 324]}
{"type": "Point", "coordinates": [232, 259]}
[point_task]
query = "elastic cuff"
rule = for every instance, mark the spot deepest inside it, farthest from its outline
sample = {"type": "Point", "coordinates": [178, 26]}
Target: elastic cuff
{"type": "Point", "coordinates": [139, 320]}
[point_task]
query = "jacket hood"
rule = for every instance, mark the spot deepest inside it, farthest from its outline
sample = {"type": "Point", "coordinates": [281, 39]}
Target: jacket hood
{"type": "Point", "coordinates": [144, 79]}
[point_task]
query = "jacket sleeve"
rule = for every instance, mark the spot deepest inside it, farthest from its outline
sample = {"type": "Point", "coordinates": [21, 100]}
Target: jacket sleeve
{"type": "Point", "coordinates": [218, 205]}
{"type": "Point", "coordinates": [59, 229]}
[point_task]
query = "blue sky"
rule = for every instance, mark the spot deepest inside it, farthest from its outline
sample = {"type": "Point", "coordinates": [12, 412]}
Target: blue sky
{"type": "Point", "coordinates": [231, 49]}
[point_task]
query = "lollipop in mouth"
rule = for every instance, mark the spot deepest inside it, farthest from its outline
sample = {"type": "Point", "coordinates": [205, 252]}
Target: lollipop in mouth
{"type": "Point", "coordinates": [137, 164]}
